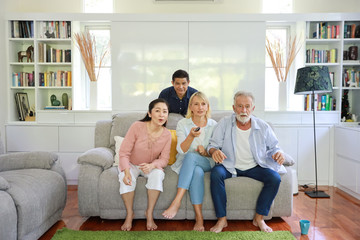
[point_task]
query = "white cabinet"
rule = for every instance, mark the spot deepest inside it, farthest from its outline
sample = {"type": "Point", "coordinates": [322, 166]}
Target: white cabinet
{"type": "Point", "coordinates": [31, 138]}
{"type": "Point", "coordinates": [306, 157]}
{"type": "Point", "coordinates": [298, 141]}
{"type": "Point", "coordinates": [68, 141]}
{"type": "Point", "coordinates": [347, 159]}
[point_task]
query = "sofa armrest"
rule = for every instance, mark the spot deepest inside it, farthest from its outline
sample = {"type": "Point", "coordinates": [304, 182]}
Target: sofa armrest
{"type": "Point", "coordinates": [25, 160]}
{"type": "Point", "coordinates": [4, 184]}
{"type": "Point", "coordinates": [102, 157]}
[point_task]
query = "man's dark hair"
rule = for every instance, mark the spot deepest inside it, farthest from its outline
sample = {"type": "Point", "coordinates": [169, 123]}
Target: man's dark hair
{"type": "Point", "coordinates": [180, 74]}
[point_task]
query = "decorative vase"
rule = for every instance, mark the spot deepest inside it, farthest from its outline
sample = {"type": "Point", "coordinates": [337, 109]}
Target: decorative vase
{"type": "Point", "coordinates": [282, 96]}
{"type": "Point", "coordinates": [93, 95]}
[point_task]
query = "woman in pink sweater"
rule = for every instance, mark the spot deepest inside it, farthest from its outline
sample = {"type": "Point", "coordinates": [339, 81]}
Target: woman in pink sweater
{"type": "Point", "coordinates": [145, 151]}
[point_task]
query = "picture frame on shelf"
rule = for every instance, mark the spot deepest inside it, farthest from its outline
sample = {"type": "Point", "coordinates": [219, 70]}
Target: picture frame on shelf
{"type": "Point", "coordinates": [23, 106]}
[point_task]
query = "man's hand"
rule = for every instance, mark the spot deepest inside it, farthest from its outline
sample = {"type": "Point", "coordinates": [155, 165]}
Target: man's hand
{"type": "Point", "coordinates": [279, 158]}
{"type": "Point", "coordinates": [201, 150]}
{"type": "Point", "coordinates": [146, 167]}
{"type": "Point", "coordinates": [217, 155]}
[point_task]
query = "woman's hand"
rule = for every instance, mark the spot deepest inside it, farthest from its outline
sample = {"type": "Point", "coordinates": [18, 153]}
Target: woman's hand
{"type": "Point", "coordinates": [201, 150]}
{"type": "Point", "coordinates": [127, 178]}
{"type": "Point", "coordinates": [195, 133]}
{"type": "Point", "coordinates": [146, 167]}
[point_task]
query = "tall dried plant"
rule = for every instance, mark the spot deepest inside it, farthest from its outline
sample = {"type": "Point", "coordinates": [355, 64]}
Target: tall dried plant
{"type": "Point", "coordinates": [87, 46]}
{"type": "Point", "coordinates": [276, 54]}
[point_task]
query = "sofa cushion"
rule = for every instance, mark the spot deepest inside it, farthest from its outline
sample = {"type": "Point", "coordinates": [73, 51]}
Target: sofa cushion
{"type": "Point", "coordinates": [8, 219]}
{"type": "Point", "coordinates": [173, 120]}
{"type": "Point", "coordinates": [25, 160]}
{"type": "Point", "coordinates": [101, 157]}
{"type": "Point", "coordinates": [121, 122]}
{"type": "Point", "coordinates": [37, 194]}
{"type": "Point", "coordinates": [118, 141]}
{"type": "Point", "coordinates": [3, 184]}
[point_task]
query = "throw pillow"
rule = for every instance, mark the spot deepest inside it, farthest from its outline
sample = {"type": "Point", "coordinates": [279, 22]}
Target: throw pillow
{"type": "Point", "coordinates": [118, 141]}
{"type": "Point", "coordinates": [289, 161]}
{"type": "Point", "coordinates": [173, 151]}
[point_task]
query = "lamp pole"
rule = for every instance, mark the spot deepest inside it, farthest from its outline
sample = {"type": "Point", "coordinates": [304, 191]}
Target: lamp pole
{"type": "Point", "coordinates": [315, 193]}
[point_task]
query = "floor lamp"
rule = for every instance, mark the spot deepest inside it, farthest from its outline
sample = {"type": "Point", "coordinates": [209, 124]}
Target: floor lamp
{"type": "Point", "coordinates": [313, 80]}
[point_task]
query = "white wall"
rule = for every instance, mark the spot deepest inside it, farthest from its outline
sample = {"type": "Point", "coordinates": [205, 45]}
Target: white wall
{"type": "Point", "coordinates": [3, 95]}
{"type": "Point", "coordinates": [149, 6]}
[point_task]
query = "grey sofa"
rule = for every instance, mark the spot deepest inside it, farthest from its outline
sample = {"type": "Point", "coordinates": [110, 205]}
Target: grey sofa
{"type": "Point", "coordinates": [98, 184]}
{"type": "Point", "coordinates": [32, 194]}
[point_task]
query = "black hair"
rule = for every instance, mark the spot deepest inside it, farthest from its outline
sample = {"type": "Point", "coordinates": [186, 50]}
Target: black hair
{"type": "Point", "coordinates": [180, 74]}
{"type": "Point", "coordinates": [152, 104]}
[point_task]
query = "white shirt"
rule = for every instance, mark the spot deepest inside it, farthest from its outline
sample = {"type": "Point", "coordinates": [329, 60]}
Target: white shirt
{"type": "Point", "coordinates": [182, 131]}
{"type": "Point", "coordinates": [244, 158]}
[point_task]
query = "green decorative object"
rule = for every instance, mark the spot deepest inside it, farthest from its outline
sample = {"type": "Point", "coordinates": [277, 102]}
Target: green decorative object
{"type": "Point", "coordinates": [56, 103]}
{"type": "Point", "coordinates": [52, 99]}
{"type": "Point", "coordinates": [65, 100]}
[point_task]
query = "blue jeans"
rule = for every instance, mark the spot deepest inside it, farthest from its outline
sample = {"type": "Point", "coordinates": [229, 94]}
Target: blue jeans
{"type": "Point", "coordinates": [191, 176]}
{"type": "Point", "coordinates": [270, 178]}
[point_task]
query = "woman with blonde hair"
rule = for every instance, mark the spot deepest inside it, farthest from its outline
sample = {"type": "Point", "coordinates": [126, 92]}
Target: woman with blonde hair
{"type": "Point", "coordinates": [193, 134]}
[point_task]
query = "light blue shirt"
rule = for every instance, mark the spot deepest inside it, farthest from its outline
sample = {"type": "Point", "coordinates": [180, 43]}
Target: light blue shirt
{"type": "Point", "coordinates": [183, 129]}
{"type": "Point", "coordinates": [262, 140]}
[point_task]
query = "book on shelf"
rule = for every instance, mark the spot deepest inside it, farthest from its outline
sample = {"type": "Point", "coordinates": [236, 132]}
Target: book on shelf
{"type": "Point", "coordinates": [325, 30]}
{"type": "Point", "coordinates": [324, 102]}
{"type": "Point", "coordinates": [332, 76]}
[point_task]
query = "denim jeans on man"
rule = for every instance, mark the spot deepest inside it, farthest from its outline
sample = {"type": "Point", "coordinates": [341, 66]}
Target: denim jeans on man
{"type": "Point", "coordinates": [270, 178]}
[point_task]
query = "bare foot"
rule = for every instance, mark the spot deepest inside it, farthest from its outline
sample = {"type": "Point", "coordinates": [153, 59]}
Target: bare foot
{"type": "Point", "coordinates": [262, 225]}
{"type": "Point", "coordinates": [172, 210]}
{"type": "Point", "coordinates": [150, 224]}
{"type": "Point", "coordinates": [128, 222]}
{"type": "Point", "coordinates": [199, 226]}
{"type": "Point", "coordinates": [221, 223]}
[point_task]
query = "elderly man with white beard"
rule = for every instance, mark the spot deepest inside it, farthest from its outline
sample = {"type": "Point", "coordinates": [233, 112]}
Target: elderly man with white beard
{"type": "Point", "coordinates": [244, 145]}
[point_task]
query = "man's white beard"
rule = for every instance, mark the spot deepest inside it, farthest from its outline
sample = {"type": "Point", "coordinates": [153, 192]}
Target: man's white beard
{"type": "Point", "coordinates": [242, 118]}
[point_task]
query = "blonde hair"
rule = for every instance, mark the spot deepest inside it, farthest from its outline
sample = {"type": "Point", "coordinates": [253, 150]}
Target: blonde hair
{"type": "Point", "coordinates": [201, 95]}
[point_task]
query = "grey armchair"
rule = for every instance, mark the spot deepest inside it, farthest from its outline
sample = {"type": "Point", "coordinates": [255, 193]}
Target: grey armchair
{"type": "Point", "coordinates": [32, 193]}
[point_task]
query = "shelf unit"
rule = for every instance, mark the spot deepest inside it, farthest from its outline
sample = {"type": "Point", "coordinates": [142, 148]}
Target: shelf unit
{"type": "Point", "coordinates": [322, 36]}
{"type": "Point", "coordinates": [59, 67]}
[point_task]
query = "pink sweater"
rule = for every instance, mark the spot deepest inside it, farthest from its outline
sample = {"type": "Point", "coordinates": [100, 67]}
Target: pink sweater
{"type": "Point", "coordinates": [135, 147]}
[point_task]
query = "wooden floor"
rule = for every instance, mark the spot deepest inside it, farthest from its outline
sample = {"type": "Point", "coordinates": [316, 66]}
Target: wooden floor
{"type": "Point", "coordinates": [335, 218]}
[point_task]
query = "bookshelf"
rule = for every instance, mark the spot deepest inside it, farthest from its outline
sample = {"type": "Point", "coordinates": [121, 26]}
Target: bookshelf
{"type": "Point", "coordinates": [39, 66]}
{"type": "Point", "coordinates": [329, 43]}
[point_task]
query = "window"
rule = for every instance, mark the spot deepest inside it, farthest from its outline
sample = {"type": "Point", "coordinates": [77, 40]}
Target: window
{"type": "Point", "coordinates": [101, 99]}
{"type": "Point", "coordinates": [277, 6]}
{"type": "Point", "coordinates": [98, 6]}
{"type": "Point", "coordinates": [295, 103]}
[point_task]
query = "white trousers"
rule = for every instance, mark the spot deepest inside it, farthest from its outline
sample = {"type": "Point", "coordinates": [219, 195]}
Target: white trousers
{"type": "Point", "coordinates": [154, 179]}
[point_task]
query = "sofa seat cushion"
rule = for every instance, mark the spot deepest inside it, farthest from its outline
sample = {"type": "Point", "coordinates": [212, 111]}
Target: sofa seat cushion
{"type": "Point", "coordinates": [242, 194]}
{"type": "Point", "coordinates": [112, 205]}
{"type": "Point", "coordinates": [37, 195]}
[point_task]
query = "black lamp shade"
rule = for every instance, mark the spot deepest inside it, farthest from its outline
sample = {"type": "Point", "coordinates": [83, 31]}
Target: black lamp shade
{"type": "Point", "coordinates": [313, 79]}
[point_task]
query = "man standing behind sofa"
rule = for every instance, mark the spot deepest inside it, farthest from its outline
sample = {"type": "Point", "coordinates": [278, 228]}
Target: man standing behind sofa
{"type": "Point", "coordinates": [179, 94]}
{"type": "Point", "coordinates": [243, 145]}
